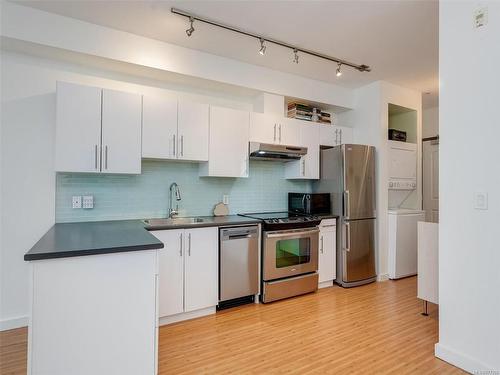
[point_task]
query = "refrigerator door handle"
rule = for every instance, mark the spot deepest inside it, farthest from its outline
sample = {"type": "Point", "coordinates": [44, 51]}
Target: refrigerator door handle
{"type": "Point", "coordinates": [347, 237]}
{"type": "Point", "coordinates": [347, 204]}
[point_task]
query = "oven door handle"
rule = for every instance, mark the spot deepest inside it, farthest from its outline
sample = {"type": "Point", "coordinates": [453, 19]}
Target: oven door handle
{"type": "Point", "coordinates": [291, 234]}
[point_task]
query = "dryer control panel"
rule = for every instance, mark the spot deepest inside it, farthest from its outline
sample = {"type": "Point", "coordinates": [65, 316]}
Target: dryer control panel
{"type": "Point", "coordinates": [402, 184]}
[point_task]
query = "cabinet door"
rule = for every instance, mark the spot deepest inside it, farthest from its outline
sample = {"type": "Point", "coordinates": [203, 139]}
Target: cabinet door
{"type": "Point", "coordinates": [289, 132]}
{"type": "Point", "coordinates": [192, 131]}
{"type": "Point", "coordinates": [159, 128]}
{"type": "Point", "coordinates": [308, 166]}
{"type": "Point", "coordinates": [78, 128]}
{"type": "Point", "coordinates": [121, 132]}
{"type": "Point", "coordinates": [201, 268]}
{"type": "Point", "coordinates": [330, 135]}
{"type": "Point", "coordinates": [327, 253]}
{"type": "Point", "coordinates": [171, 272]}
{"type": "Point", "coordinates": [263, 128]}
{"type": "Point", "coordinates": [228, 155]}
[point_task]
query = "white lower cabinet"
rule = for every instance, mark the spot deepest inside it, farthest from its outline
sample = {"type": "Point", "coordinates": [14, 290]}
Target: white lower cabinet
{"type": "Point", "coordinates": [188, 270]}
{"type": "Point", "coordinates": [327, 250]}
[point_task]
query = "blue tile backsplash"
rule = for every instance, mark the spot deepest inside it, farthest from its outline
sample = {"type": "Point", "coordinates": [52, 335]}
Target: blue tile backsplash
{"type": "Point", "coordinates": [146, 195]}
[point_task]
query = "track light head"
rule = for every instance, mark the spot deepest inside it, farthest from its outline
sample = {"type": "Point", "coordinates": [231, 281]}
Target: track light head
{"type": "Point", "coordinates": [262, 50]}
{"type": "Point", "coordinates": [190, 31]}
{"type": "Point", "coordinates": [295, 56]}
{"type": "Point", "coordinates": [339, 72]}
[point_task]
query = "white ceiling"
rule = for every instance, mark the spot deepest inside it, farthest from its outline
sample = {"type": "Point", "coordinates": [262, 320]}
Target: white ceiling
{"type": "Point", "coordinates": [398, 39]}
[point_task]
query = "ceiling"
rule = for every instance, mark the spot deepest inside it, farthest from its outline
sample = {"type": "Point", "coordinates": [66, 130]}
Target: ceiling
{"type": "Point", "coordinates": [397, 39]}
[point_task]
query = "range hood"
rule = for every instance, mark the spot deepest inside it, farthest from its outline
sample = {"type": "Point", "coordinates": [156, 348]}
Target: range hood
{"type": "Point", "coordinates": [266, 151]}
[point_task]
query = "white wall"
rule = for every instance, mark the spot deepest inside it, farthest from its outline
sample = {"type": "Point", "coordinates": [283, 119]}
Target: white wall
{"type": "Point", "coordinates": [430, 122]}
{"type": "Point", "coordinates": [469, 255]}
{"type": "Point", "coordinates": [370, 120]}
{"type": "Point", "coordinates": [27, 176]}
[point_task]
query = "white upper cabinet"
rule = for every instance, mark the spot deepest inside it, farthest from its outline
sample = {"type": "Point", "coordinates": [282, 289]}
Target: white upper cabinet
{"type": "Point", "coordinates": [78, 128]}
{"type": "Point", "coordinates": [308, 166]}
{"type": "Point", "coordinates": [272, 129]}
{"type": "Point", "coordinates": [159, 128]}
{"type": "Point", "coordinates": [121, 132]}
{"type": "Point", "coordinates": [331, 135]}
{"type": "Point", "coordinates": [97, 130]}
{"type": "Point", "coordinates": [289, 132]}
{"type": "Point", "coordinates": [192, 131]}
{"type": "Point", "coordinates": [228, 143]}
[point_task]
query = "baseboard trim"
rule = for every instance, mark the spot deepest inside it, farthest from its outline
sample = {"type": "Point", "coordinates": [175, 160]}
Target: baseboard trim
{"type": "Point", "coordinates": [186, 316]}
{"type": "Point", "coordinates": [325, 284]}
{"type": "Point", "coordinates": [457, 359]}
{"type": "Point", "coordinates": [383, 277]}
{"type": "Point", "coordinates": [14, 323]}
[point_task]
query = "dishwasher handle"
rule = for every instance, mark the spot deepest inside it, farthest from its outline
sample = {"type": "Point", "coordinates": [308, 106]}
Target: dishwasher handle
{"type": "Point", "coordinates": [236, 233]}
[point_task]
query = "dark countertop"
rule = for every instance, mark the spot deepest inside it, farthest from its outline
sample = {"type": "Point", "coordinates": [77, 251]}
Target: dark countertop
{"type": "Point", "coordinates": [65, 240]}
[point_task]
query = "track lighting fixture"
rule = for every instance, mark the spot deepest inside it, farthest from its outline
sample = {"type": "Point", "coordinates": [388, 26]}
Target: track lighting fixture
{"type": "Point", "coordinates": [262, 50]}
{"type": "Point", "coordinates": [339, 72]}
{"type": "Point", "coordinates": [266, 40]}
{"type": "Point", "coordinates": [191, 29]}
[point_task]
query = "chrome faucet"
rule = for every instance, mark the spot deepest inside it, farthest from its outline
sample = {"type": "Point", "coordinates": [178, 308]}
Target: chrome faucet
{"type": "Point", "coordinates": [174, 188]}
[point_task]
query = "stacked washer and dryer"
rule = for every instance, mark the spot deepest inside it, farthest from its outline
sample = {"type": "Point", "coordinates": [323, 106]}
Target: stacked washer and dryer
{"type": "Point", "coordinates": [402, 222]}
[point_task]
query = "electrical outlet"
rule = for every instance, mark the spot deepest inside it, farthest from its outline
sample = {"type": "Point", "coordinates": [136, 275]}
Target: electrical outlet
{"type": "Point", "coordinates": [225, 199]}
{"type": "Point", "coordinates": [480, 200]}
{"type": "Point", "coordinates": [77, 201]}
{"type": "Point", "coordinates": [88, 201]}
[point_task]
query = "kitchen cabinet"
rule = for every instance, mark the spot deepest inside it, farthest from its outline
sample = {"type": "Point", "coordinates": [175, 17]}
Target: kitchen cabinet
{"type": "Point", "coordinates": [272, 129]}
{"type": "Point", "coordinates": [331, 135]}
{"type": "Point", "coordinates": [327, 250]}
{"type": "Point", "coordinates": [308, 166]}
{"type": "Point", "coordinates": [175, 130]}
{"type": "Point", "coordinates": [121, 132]}
{"type": "Point", "coordinates": [159, 128]}
{"type": "Point", "coordinates": [78, 128]}
{"type": "Point", "coordinates": [192, 131]}
{"type": "Point", "coordinates": [188, 270]}
{"type": "Point", "coordinates": [97, 131]}
{"type": "Point", "coordinates": [228, 143]}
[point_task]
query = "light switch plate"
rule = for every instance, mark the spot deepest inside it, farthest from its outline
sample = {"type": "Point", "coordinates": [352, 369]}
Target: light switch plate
{"type": "Point", "coordinates": [88, 201]}
{"type": "Point", "coordinates": [480, 200]}
{"type": "Point", "coordinates": [77, 201]}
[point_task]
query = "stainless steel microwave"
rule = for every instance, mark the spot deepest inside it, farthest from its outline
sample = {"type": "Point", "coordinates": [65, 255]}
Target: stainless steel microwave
{"type": "Point", "coordinates": [309, 204]}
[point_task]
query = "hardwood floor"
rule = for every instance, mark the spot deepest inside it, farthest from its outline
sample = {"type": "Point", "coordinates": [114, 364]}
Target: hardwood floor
{"type": "Point", "coordinates": [374, 329]}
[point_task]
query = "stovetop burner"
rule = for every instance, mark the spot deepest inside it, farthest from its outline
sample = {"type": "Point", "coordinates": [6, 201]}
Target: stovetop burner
{"type": "Point", "coordinates": [284, 220]}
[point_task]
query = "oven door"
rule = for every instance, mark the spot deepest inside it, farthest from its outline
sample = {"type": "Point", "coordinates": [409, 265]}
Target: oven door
{"type": "Point", "coordinates": [290, 252]}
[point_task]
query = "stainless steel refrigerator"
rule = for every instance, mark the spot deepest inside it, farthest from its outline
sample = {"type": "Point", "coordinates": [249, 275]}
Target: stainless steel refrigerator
{"type": "Point", "coordinates": [348, 174]}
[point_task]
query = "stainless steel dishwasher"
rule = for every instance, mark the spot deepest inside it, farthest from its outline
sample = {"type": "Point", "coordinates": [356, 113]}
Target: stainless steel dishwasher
{"type": "Point", "coordinates": [238, 265]}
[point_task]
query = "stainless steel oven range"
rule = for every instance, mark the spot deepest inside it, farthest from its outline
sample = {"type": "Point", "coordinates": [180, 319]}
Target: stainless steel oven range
{"type": "Point", "coordinates": [289, 254]}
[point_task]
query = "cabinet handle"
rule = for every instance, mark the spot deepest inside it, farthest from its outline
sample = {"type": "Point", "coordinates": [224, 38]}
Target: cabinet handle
{"type": "Point", "coordinates": [336, 137]}
{"type": "Point", "coordinates": [95, 157]}
{"type": "Point", "coordinates": [182, 145]}
{"type": "Point", "coordinates": [274, 138]}
{"type": "Point", "coordinates": [189, 244]}
{"type": "Point", "coordinates": [173, 153]}
{"type": "Point", "coordinates": [321, 245]}
{"type": "Point", "coordinates": [180, 249]}
{"type": "Point", "coordinates": [340, 132]}
{"type": "Point", "coordinates": [280, 133]}
{"type": "Point", "coordinates": [348, 237]}
{"type": "Point", "coordinates": [106, 157]}
{"type": "Point", "coordinates": [303, 167]}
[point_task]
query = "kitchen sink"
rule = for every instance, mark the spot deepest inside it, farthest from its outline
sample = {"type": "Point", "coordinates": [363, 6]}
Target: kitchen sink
{"type": "Point", "coordinates": [173, 221]}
